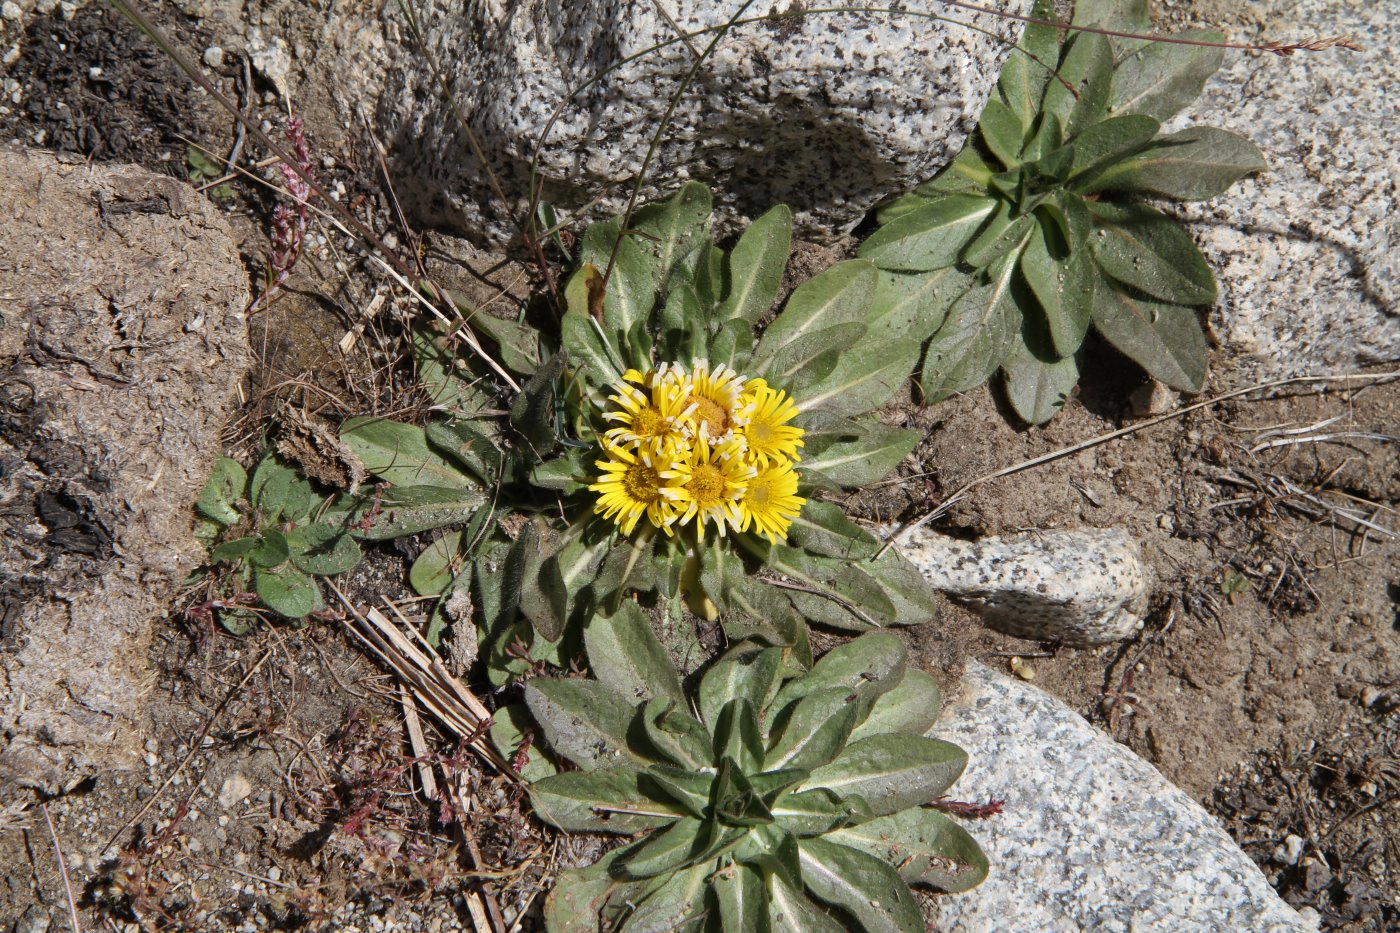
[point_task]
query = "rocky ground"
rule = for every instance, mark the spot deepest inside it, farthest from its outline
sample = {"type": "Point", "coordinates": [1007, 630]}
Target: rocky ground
{"type": "Point", "coordinates": [278, 789]}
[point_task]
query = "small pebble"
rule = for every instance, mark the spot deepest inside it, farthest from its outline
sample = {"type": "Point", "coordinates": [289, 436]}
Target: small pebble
{"type": "Point", "coordinates": [214, 57]}
{"type": "Point", "coordinates": [11, 11]}
{"type": "Point", "coordinates": [1369, 695]}
{"type": "Point", "coordinates": [1290, 851]}
{"type": "Point", "coordinates": [234, 791]}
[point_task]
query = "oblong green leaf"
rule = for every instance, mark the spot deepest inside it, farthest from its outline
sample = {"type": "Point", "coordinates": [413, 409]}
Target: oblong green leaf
{"type": "Point", "coordinates": [862, 885]}
{"type": "Point", "coordinates": [915, 599]}
{"type": "Point", "coordinates": [677, 906]}
{"type": "Point", "coordinates": [271, 487]}
{"type": "Point", "coordinates": [1140, 246]}
{"type": "Point", "coordinates": [975, 338]}
{"type": "Point", "coordinates": [892, 772]}
{"type": "Point", "coordinates": [625, 655]}
{"type": "Point", "coordinates": [741, 899]}
{"type": "Point", "coordinates": [450, 381]}
{"type": "Point", "coordinates": [234, 550]}
{"type": "Point", "coordinates": [1120, 15]}
{"type": "Point", "coordinates": [509, 727]}
{"type": "Point", "coordinates": [583, 720]}
{"type": "Point", "coordinates": [866, 376]}
{"type": "Point", "coordinates": [754, 677]}
{"type": "Point", "coordinates": [1063, 285]}
{"type": "Point", "coordinates": [738, 740]}
{"type": "Point", "coordinates": [927, 847]}
{"type": "Point", "coordinates": [692, 790]}
{"type": "Point", "coordinates": [404, 510]}
{"type": "Point", "coordinates": [813, 731]}
{"type": "Point", "coordinates": [857, 453]}
{"type": "Point", "coordinates": [272, 549]}
{"type": "Point", "coordinates": [517, 344]}
{"type": "Point", "coordinates": [835, 592]}
{"type": "Point", "coordinates": [1003, 132]}
{"type": "Point", "coordinates": [469, 447]}
{"type": "Point", "coordinates": [1160, 79]}
{"type": "Point", "coordinates": [1164, 339]}
{"type": "Point", "coordinates": [1030, 64]}
{"type": "Point", "coordinates": [867, 667]}
{"type": "Point", "coordinates": [287, 591]}
{"type": "Point", "coordinates": [823, 528]}
{"type": "Point", "coordinates": [322, 549]}
{"type": "Point", "coordinates": [675, 735]}
{"type": "Point", "coordinates": [630, 288]}
{"type": "Point", "coordinates": [811, 358]}
{"type": "Point", "coordinates": [568, 474]}
{"type": "Point", "coordinates": [756, 266]}
{"type": "Point", "coordinates": [817, 812]}
{"type": "Point", "coordinates": [1038, 388]}
{"type": "Point", "coordinates": [1087, 66]}
{"type": "Point", "coordinates": [839, 295]}
{"type": "Point", "coordinates": [1111, 141]}
{"type": "Point", "coordinates": [590, 900]}
{"type": "Point", "coordinates": [219, 498]}
{"type": "Point", "coordinates": [968, 173]}
{"type": "Point", "coordinates": [674, 229]}
{"type": "Point", "coordinates": [399, 454]}
{"type": "Point", "coordinates": [909, 708]}
{"type": "Point", "coordinates": [591, 354]}
{"type": "Point", "coordinates": [609, 800]}
{"type": "Point", "coordinates": [664, 851]}
{"type": "Point", "coordinates": [790, 910]}
{"type": "Point", "coordinates": [1193, 165]}
{"type": "Point", "coordinates": [929, 236]}
{"type": "Point", "coordinates": [1003, 234]}
{"type": "Point", "coordinates": [914, 305]}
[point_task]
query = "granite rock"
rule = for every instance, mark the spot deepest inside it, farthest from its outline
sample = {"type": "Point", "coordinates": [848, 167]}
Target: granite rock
{"type": "Point", "coordinates": [1081, 587]}
{"type": "Point", "coordinates": [1308, 254]}
{"type": "Point", "coordinates": [828, 113]}
{"type": "Point", "coordinates": [122, 341]}
{"type": "Point", "coordinates": [1092, 837]}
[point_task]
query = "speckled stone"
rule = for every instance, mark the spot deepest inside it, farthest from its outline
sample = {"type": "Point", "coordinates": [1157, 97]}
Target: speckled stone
{"type": "Point", "coordinates": [828, 113]}
{"type": "Point", "coordinates": [1308, 254]}
{"type": "Point", "coordinates": [1092, 837]}
{"type": "Point", "coordinates": [1082, 587]}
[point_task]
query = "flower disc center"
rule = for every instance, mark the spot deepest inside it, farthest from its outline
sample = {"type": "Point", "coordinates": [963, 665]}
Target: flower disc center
{"type": "Point", "coordinates": [642, 483]}
{"type": "Point", "coordinates": [712, 417]}
{"type": "Point", "coordinates": [706, 485]}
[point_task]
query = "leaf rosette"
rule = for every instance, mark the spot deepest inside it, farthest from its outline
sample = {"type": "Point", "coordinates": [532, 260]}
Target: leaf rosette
{"type": "Point", "coordinates": [663, 443]}
{"type": "Point", "coordinates": [1035, 232]}
{"type": "Point", "coordinates": [760, 802]}
{"type": "Point", "coordinates": [276, 534]}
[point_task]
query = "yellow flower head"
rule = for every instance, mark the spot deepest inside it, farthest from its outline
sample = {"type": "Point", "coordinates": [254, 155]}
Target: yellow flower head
{"type": "Point", "coordinates": [700, 443]}
{"type": "Point", "coordinates": [771, 501]}
{"type": "Point", "coordinates": [715, 393]}
{"type": "Point", "coordinates": [708, 482]}
{"type": "Point", "coordinates": [631, 486]}
{"type": "Point", "coordinates": [766, 413]}
{"type": "Point", "coordinates": [651, 419]}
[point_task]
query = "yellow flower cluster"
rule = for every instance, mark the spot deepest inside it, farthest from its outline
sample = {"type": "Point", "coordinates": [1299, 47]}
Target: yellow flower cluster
{"type": "Point", "coordinates": [701, 443]}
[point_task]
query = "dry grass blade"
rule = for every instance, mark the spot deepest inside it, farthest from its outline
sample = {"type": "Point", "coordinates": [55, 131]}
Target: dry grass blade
{"type": "Point", "coordinates": [422, 672]}
{"type": "Point", "coordinates": [63, 869]}
{"type": "Point", "coordinates": [962, 491]}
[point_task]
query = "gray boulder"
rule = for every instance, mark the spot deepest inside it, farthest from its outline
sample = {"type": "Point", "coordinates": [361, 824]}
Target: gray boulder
{"type": "Point", "coordinates": [828, 113]}
{"type": "Point", "coordinates": [1080, 587]}
{"type": "Point", "coordinates": [121, 343]}
{"type": "Point", "coordinates": [1308, 254]}
{"type": "Point", "coordinates": [1092, 837]}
